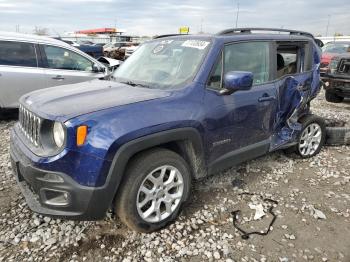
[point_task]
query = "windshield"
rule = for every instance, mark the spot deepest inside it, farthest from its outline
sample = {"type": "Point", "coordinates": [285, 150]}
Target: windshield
{"type": "Point", "coordinates": [337, 48]}
{"type": "Point", "coordinates": [163, 64]}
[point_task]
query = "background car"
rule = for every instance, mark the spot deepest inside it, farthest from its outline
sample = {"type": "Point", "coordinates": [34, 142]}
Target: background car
{"type": "Point", "coordinates": [330, 50]}
{"type": "Point", "coordinates": [337, 79]}
{"type": "Point", "coordinates": [88, 47]}
{"type": "Point", "coordinates": [129, 50]}
{"type": "Point", "coordinates": [30, 62]}
{"type": "Point", "coordinates": [113, 46]}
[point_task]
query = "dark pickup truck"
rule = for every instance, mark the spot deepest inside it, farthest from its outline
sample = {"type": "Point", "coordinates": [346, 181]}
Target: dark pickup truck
{"type": "Point", "coordinates": [337, 79]}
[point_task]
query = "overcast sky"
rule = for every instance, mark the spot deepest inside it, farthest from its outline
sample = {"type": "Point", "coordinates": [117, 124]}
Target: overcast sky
{"type": "Point", "coordinates": [166, 16]}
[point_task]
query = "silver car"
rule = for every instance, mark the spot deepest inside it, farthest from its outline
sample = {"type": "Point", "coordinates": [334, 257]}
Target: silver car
{"type": "Point", "coordinates": [30, 62]}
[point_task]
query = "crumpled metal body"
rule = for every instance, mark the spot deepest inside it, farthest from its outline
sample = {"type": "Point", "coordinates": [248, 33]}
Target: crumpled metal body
{"type": "Point", "coordinates": [294, 96]}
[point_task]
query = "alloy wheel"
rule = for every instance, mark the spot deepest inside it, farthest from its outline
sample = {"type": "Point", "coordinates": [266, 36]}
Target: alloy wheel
{"type": "Point", "coordinates": [310, 139]}
{"type": "Point", "coordinates": [160, 194]}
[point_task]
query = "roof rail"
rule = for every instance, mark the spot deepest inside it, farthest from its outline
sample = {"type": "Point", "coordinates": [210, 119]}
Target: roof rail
{"type": "Point", "coordinates": [168, 35]}
{"type": "Point", "coordinates": [249, 30]}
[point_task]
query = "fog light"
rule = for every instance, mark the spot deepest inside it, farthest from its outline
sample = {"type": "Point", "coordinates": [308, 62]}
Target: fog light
{"type": "Point", "coordinates": [55, 197]}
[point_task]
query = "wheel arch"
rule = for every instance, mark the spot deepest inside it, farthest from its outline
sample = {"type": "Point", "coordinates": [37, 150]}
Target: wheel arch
{"type": "Point", "coordinates": [187, 142]}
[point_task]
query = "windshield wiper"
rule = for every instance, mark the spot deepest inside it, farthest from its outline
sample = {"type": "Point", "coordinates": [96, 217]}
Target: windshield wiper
{"type": "Point", "coordinates": [131, 83]}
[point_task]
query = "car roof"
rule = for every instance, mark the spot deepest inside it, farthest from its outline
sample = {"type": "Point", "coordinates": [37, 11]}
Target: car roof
{"type": "Point", "coordinates": [31, 38]}
{"type": "Point", "coordinates": [242, 37]}
{"type": "Point", "coordinates": [241, 34]}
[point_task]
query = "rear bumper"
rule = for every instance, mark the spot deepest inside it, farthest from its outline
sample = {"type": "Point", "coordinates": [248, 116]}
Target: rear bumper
{"type": "Point", "coordinates": [56, 194]}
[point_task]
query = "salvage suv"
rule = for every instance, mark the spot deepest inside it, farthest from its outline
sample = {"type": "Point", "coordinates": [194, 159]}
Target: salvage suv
{"type": "Point", "coordinates": [180, 108]}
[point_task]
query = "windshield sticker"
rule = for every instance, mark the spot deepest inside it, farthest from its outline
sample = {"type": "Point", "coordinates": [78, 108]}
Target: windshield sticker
{"type": "Point", "coordinates": [166, 42]}
{"type": "Point", "coordinates": [158, 49]}
{"type": "Point", "coordinates": [196, 44]}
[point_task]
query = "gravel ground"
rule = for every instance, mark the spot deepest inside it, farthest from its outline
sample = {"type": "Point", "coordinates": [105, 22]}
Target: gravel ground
{"type": "Point", "coordinates": [313, 215]}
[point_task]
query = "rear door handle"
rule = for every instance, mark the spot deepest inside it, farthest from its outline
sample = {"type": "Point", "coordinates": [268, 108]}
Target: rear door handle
{"type": "Point", "coordinates": [266, 98]}
{"type": "Point", "coordinates": [58, 77]}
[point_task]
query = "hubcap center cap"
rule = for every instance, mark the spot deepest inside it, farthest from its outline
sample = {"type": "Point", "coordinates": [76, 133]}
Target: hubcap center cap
{"type": "Point", "coordinates": [160, 193]}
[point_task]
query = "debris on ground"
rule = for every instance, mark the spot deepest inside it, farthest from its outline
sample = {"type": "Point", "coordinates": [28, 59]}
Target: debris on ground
{"type": "Point", "coordinates": [259, 210]}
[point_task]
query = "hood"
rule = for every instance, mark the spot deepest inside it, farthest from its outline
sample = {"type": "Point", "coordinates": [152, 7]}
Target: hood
{"type": "Point", "coordinates": [65, 102]}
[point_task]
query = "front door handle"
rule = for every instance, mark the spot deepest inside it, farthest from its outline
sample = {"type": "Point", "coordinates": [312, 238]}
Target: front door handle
{"type": "Point", "coordinates": [266, 98]}
{"type": "Point", "coordinates": [58, 77]}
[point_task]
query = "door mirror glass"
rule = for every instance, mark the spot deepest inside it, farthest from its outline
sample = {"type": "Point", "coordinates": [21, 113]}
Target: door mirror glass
{"type": "Point", "coordinates": [236, 81]}
{"type": "Point", "coordinates": [98, 69]}
{"type": "Point", "coordinates": [319, 42]}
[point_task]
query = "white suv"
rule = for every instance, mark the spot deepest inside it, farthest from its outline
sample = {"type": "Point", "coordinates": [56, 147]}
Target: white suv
{"type": "Point", "coordinates": [30, 62]}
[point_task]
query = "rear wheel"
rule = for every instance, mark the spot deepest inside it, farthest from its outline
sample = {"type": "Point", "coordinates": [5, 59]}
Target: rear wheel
{"type": "Point", "coordinates": [333, 98]}
{"type": "Point", "coordinates": [157, 183]}
{"type": "Point", "coordinates": [312, 136]}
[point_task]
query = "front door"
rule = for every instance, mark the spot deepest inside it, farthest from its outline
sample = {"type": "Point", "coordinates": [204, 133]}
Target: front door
{"type": "Point", "coordinates": [65, 67]}
{"type": "Point", "coordinates": [243, 119]}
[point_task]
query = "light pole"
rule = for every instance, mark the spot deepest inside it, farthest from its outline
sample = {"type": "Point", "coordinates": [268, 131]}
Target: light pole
{"type": "Point", "coordinates": [237, 14]}
{"type": "Point", "coordinates": [329, 18]}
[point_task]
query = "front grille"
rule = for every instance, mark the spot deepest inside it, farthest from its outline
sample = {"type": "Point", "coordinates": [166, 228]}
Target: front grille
{"type": "Point", "coordinates": [344, 66]}
{"type": "Point", "coordinates": [29, 124]}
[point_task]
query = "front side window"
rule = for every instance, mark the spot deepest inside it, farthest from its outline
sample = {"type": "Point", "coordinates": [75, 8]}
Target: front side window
{"type": "Point", "coordinates": [17, 54]}
{"type": "Point", "coordinates": [163, 64]}
{"type": "Point", "coordinates": [60, 58]}
{"type": "Point", "coordinates": [215, 76]}
{"type": "Point", "coordinates": [251, 57]}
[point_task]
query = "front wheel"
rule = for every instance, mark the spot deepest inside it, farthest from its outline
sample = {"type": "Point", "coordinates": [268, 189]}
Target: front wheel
{"type": "Point", "coordinates": [157, 183]}
{"type": "Point", "coordinates": [333, 98]}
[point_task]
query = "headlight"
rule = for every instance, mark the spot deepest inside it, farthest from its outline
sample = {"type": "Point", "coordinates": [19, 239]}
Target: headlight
{"type": "Point", "coordinates": [333, 66]}
{"type": "Point", "coordinates": [59, 134]}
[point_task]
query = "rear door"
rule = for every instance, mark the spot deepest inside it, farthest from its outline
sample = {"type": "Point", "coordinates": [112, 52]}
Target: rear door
{"type": "Point", "coordinates": [64, 66]}
{"type": "Point", "coordinates": [19, 71]}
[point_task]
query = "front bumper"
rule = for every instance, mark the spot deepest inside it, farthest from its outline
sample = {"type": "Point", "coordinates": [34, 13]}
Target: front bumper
{"type": "Point", "coordinates": [339, 86]}
{"type": "Point", "coordinates": [56, 194]}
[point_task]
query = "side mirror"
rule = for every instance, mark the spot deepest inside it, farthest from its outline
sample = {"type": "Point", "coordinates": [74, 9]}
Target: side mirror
{"type": "Point", "coordinates": [98, 69]}
{"type": "Point", "coordinates": [237, 80]}
{"type": "Point", "coordinates": [319, 42]}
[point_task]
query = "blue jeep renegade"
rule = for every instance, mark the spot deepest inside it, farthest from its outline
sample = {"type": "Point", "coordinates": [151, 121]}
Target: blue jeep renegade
{"type": "Point", "coordinates": [180, 108]}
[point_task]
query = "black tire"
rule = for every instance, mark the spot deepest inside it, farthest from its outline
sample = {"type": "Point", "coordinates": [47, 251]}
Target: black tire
{"type": "Point", "coordinates": [306, 122]}
{"type": "Point", "coordinates": [138, 169]}
{"type": "Point", "coordinates": [333, 98]}
{"type": "Point", "coordinates": [337, 136]}
{"type": "Point", "coordinates": [8, 114]}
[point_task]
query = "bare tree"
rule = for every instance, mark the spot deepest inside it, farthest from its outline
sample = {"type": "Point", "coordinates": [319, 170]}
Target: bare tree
{"type": "Point", "coordinates": [40, 31]}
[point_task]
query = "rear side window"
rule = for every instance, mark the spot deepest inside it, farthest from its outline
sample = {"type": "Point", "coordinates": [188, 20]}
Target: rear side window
{"type": "Point", "coordinates": [17, 54]}
{"type": "Point", "coordinates": [61, 58]}
{"type": "Point", "coordinates": [293, 58]}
